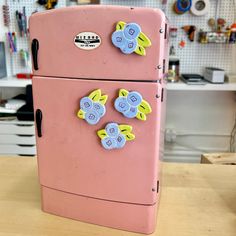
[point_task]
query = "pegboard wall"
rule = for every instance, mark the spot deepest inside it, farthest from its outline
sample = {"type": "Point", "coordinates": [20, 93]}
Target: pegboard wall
{"type": "Point", "coordinates": [17, 65]}
{"type": "Point", "coordinates": [194, 56]}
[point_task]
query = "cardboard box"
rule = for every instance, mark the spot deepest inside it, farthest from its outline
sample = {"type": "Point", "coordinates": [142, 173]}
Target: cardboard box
{"type": "Point", "coordinates": [219, 158]}
{"type": "Point", "coordinates": [214, 75]}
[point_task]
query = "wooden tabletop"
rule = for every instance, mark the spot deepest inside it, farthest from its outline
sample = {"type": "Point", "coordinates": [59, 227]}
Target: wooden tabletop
{"type": "Point", "coordinates": [196, 200]}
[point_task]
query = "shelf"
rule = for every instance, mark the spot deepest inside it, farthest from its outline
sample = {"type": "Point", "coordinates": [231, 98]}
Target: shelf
{"type": "Point", "coordinates": [20, 83]}
{"type": "Point", "coordinates": [207, 87]}
{"type": "Point", "coordinates": [16, 122]}
{"type": "Point", "coordinates": [14, 82]}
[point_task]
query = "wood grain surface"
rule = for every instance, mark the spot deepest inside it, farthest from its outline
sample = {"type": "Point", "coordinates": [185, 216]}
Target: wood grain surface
{"type": "Point", "coordinates": [196, 200]}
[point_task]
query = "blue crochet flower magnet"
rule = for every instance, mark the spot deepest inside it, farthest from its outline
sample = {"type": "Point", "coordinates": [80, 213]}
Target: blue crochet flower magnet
{"type": "Point", "coordinates": [129, 38]}
{"type": "Point", "coordinates": [131, 105]}
{"type": "Point", "coordinates": [92, 107]}
{"type": "Point", "coordinates": [114, 136]}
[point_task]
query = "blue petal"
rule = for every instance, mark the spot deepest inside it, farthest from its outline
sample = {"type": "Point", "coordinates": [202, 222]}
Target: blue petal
{"type": "Point", "coordinates": [120, 141]}
{"type": "Point", "coordinates": [131, 113]}
{"type": "Point", "coordinates": [99, 108]}
{"type": "Point", "coordinates": [121, 104]}
{"type": "Point", "coordinates": [112, 129]}
{"type": "Point", "coordinates": [134, 98]}
{"type": "Point", "coordinates": [132, 31]}
{"type": "Point", "coordinates": [118, 39]}
{"type": "Point", "coordinates": [92, 117]}
{"type": "Point", "coordinates": [129, 46]}
{"type": "Point", "coordinates": [86, 104]}
{"type": "Point", "coordinates": [109, 143]}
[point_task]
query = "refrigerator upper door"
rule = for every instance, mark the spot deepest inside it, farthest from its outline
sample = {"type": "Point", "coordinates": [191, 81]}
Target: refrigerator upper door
{"type": "Point", "coordinates": [70, 155]}
{"type": "Point", "coordinates": [59, 38]}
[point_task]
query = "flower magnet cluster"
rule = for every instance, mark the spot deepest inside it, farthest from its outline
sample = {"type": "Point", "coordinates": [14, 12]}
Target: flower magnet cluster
{"type": "Point", "coordinates": [131, 105]}
{"type": "Point", "coordinates": [114, 136]}
{"type": "Point", "coordinates": [129, 38]}
{"type": "Point", "coordinates": [92, 107]}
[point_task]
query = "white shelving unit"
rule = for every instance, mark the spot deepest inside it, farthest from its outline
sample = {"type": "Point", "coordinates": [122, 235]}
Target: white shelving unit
{"type": "Point", "coordinates": [207, 87]}
{"type": "Point", "coordinates": [13, 82]}
{"type": "Point", "coordinates": [21, 83]}
{"type": "Point", "coordinates": [17, 138]}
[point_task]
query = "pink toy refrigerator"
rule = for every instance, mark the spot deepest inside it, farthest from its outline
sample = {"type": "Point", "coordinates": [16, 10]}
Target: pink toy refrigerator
{"type": "Point", "coordinates": [99, 100]}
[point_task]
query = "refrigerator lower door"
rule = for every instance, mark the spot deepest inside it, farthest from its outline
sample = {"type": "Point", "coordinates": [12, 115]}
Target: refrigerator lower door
{"type": "Point", "coordinates": [119, 215]}
{"type": "Point", "coordinates": [82, 180]}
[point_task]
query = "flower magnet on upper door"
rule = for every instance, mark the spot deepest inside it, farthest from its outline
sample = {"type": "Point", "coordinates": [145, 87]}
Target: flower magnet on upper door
{"type": "Point", "coordinates": [131, 105]}
{"type": "Point", "coordinates": [129, 38]}
{"type": "Point", "coordinates": [92, 107]}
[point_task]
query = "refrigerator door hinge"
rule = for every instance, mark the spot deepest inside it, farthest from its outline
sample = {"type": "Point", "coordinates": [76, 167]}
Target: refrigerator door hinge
{"type": "Point", "coordinates": [34, 49]}
{"type": "Point", "coordinates": [165, 35]}
{"type": "Point", "coordinates": [164, 66]}
{"type": "Point", "coordinates": [38, 118]}
{"type": "Point", "coordinates": [162, 95]}
{"type": "Point", "coordinates": [158, 183]}
{"type": "Point", "coordinates": [157, 188]}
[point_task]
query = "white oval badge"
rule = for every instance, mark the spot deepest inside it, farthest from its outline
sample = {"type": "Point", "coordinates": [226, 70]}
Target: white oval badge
{"type": "Point", "coordinates": [87, 40]}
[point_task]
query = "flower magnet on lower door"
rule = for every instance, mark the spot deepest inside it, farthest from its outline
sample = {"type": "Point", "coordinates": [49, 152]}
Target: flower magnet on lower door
{"type": "Point", "coordinates": [92, 107]}
{"type": "Point", "coordinates": [131, 104]}
{"type": "Point", "coordinates": [114, 136]}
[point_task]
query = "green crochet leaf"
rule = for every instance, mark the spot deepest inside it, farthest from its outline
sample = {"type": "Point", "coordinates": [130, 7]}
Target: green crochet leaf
{"type": "Point", "coordinates": [95, 95]}
{"type": "Point", "coordinates": [144, 107]}
{"type": "Point", "coordinates": [141, 116]}
{"type": "Point", "coordinates": [140, 50]}
{"type": "Point", "coordinates": [102, 133]}
{"type": "Point", "coordinates": [129, 137]}
{"type": "Point", "coordinates": [143, 40]}
{"type": "Point", "coordinates": [103, 99]}
{"type": "Point", "coordinates": [81, 114]}
{"type": "Point", "coordinates": [125, 129]}
{"type": "Point", "coordinates": [123, 93]}
{"type": "Point", "coordinates": [120, 25]}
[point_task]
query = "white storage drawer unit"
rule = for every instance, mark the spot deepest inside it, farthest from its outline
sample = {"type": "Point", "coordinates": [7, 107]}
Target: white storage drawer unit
{"type": "Point", "coordinates": [17, 138]}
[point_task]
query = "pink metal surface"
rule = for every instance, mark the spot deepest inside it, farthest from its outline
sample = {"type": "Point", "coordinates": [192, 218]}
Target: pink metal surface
{"type": "Point", "coordinates": [58, 56]}
{"type": "Point", "coordinates": [70, 154]}
{"type": "Point", "coordinates": [131, 217]}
